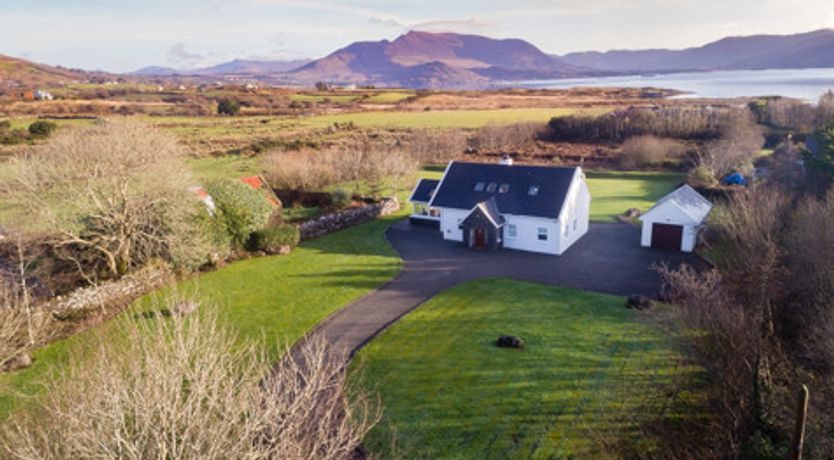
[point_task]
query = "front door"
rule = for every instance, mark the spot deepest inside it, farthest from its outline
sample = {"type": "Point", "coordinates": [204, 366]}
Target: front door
{"type": "Point", "coordinates": [480, 238]}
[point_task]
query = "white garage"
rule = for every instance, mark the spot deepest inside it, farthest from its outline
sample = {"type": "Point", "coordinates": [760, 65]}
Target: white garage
{"type": "Point", "coordinates": [673, 222]}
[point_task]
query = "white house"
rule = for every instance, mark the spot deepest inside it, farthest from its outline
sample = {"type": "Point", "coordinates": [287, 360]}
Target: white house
{"type": "Point", "coordinates": [674, 221]}
{"type": "Point", "coordinates": [530, 208]}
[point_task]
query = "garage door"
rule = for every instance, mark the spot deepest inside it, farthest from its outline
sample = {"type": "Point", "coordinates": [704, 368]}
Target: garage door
{"type": "Point", "coordinates": [665, 236]}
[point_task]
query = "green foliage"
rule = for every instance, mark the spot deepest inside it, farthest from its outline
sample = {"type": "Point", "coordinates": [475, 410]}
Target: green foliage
{"type": "Point", "coordinates": [269, 239]}
{"type": "Point", "coordinates": [761, 447]}
{"type": "Point", "coordinates": [820, 164]}
{"type": "Point", "coordinates": [240, 210]}
{"type": "Point", "coordinates": [341, 198]}
{"type": "Point", "coordinates": [42, 129]}
{"type": "Point", "coordinates": [228, 107]}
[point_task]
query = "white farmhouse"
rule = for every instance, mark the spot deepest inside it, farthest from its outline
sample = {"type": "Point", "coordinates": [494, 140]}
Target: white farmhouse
{"type": "Point", "coordinates": [490, 206]}
{"type": "Point", "coordinates": [674, 221]}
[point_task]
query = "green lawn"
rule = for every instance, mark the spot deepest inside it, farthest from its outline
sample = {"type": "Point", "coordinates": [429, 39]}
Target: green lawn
{"type": "Point", "coordinates": [271, 299]}
{"type": "Point", "coordinates": [613, 192]}
{"type": "Point", "coordinates": [589, 368]}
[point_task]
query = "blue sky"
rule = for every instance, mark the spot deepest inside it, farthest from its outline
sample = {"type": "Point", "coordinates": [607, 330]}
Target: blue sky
{"type": "Point", "coordinates": [128, 34]}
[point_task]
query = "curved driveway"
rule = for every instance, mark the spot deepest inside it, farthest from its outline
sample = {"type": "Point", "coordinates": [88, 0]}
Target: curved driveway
{"type": "Point", "coordinates": [608, 259]}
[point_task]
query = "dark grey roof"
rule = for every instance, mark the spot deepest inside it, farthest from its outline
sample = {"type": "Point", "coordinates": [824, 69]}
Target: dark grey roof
{"type": "Point", "coordinates": [424, 190]}
{"type": "Point", "coordinates": [489, 210]}
{"type": "Point", "coordinates": [461, 188]}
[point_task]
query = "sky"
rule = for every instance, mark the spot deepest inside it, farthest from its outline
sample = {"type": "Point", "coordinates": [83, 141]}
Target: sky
{"type": "Point", "coordinates": [124, 35]}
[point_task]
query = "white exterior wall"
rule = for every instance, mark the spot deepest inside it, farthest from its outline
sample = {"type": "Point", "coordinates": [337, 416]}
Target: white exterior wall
{"type": "Point", "coordinates": [670, 214]}
{"type": "Point", "coordinates": [576, 213]}
{"type": "Point", "coordinates": [450, 220]}
{"type": "Point", "coordinates": [527, 234]}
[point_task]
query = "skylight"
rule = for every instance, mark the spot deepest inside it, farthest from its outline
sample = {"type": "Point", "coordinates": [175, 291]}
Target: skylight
{"type": "Point", "coordinates": [504, 188]}
{"type": "Point", "coordinates": [479, 187]}
{"type": "Point", "coordinates": [533, 191]}
{"type": "Point", "coordinates": [491, 187]}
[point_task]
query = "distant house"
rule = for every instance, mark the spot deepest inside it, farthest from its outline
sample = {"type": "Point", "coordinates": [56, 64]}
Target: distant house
{"type": "Point", "coordinates": [258, 183]}
{"type": "Point", "coordinates": [42, 95]}
{"type": "Point", "coordinates": [491, 206]}
{"type": "Point", "coordinates": [673, 222]}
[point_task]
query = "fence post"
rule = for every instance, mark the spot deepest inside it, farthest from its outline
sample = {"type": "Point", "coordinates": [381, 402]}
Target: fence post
{"type": "Point", "coordinates": [799, 429]}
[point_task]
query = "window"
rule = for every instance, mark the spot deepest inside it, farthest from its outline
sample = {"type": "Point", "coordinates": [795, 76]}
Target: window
{"type": "Point", "coordinates": [533, 191]}
{"type": "Point", "coordinates": [491, 187]}
{"type": "Point", "coordinates": [542, 234]}
{"type": "Point", "coordinates": [512, 231]}
{"type": "Point", "coordinates": [479, 187]}
{"type": "Point", "coordinates": [504, 188]}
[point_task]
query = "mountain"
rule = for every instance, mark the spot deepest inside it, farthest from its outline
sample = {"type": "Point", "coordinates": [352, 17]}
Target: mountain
{"type": "Point", "coordinates": [243, 67]}
{"type": "Point", "coordinates": [424, 59]}
{"type": "Point", "coordinates": [20, 73]}
{"type": "Point", "coordinates": [805, 50]}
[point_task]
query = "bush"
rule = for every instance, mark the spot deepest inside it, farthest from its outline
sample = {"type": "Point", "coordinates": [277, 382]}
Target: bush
{"type": "Point", "coordinates": [42, 129]}
{"type": "Point", "coordinates": [187, 388]}
{"type": "Point", "coordinates": [239, 209]}
{"type": "Point", "coordinates": [228, 107]}
{"type": "Point", "coordinates": [270, 239]}
{"type": "Point", "coordinates": [642, 151]}
{"type": "Point", "coordinates": [702, 176]}
{"type": "Point", "coordinates": [340, 198]}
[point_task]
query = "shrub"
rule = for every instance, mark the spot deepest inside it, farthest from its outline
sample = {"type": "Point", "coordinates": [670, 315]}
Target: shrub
{"type": "Point", "coordinates": [648, 150]}
{"type": "Point", "coordinates": [340, 198]}
{"type": "Point", "coordinates": [42, 129]}
{"type": "Point", "coordinates": [269, 239]}
{"type": "Point", "coordinates": [115, 196]}
{"type": "Point", "coordinates": [702, 176]}
{"type": "Point", "coordinates": [186, 388]}
{"type": "Point", "coordinates": [239, 209]}
{"type": "Point", "coordinates": [228, 107]}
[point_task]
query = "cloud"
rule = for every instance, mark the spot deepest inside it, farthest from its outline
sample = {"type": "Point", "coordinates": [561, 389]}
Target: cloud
{"type": "Point", "coordinates": [473, 24]}
{"type": "Point", "coordinates": [181, 57]}
{"type": "Point", "coordinates": [831, 20]}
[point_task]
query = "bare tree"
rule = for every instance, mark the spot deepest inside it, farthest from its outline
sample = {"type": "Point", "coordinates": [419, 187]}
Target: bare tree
{"type": "Point", "coordinates": [649, 150]}
{"type": "Point", "coordinates": [186, 388]}
{"type": "Point", "coordinates": [741, 141]}
{"type": "Point", "coordinates": [114, 196]}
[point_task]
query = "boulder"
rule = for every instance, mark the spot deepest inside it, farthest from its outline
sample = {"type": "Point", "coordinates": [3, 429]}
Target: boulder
{"type": "Point", "coordinates": [19, 361]}
{"type": "Point", "coordinates": [638, 302]}
{"type": "Point", "coordinates": [509, 341]}
{"type": "Point", "coordinates": [632, 213]}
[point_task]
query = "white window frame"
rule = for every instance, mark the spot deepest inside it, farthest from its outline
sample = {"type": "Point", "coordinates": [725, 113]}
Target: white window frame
{"type": "Point", "coordinates": [512, 231]}
{"type": "Point", "coordinates": [541, 232]}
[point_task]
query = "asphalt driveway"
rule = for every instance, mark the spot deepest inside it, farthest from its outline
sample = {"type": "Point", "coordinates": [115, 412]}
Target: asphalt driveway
{"type": "Point", "coordinates": [609, 259]}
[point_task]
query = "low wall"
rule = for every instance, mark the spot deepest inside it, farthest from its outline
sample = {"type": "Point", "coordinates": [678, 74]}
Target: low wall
{"type": "Point", "coordinates": [343, 219]}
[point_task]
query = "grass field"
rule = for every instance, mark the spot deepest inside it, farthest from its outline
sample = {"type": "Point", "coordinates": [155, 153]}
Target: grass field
{"type": "Point", "coordinates": [613, 192]}
{"type": "Point", "coordinates": [273, 300]}
{"type": "Point", "coordinates": [587, 368]}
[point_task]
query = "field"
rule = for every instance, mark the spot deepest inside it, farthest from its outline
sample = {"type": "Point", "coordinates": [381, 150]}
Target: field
{"type": "Point", "coordinates": [588, 368]}
{"type": "Point", "coordinates": [274, 300]}
{"type": "Point", "coordinates": [613, 192]}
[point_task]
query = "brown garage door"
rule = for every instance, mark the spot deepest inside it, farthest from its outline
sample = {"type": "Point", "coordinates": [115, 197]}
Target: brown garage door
{"type": "Point", "coordinates": [665, 236]}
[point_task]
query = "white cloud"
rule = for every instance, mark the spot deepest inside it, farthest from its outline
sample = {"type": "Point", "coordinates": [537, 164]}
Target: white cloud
{"type": "Point", "coordinates": [831, 20]}
{"type": "Point", "coordinates": [473, 24]}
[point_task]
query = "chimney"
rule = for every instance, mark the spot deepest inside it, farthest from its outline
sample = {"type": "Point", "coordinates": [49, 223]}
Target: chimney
{"type": "Point", "coordinates": [506, 160]}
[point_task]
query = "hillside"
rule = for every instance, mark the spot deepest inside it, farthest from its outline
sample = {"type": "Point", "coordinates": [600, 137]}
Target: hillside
{"type": "Point", "coordinates": [236, 67]}
{"type": "Point", "coordinates": [424, 59]}
{"type": "Point", "coordinates": [806, 50]}
{"type": "Point", "coordinates": [20, 73]}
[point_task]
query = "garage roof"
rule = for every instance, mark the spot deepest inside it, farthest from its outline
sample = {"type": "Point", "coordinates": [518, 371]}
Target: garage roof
{"type": "Point", "coordinates": [538, 191]}
{"type": "Point", "coordinates": [424, 190]}
{"type": "Point", "coordinates": [692, 203]}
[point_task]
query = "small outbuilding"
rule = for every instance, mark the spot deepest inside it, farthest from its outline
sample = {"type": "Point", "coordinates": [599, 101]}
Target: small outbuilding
{"type": "Point", "coordinates": [673, 222]}
{"type": "Point", "coordinates": [422, 213]}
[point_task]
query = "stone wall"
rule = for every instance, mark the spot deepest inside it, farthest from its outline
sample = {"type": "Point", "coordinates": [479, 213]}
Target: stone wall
{"type": "Point", "coordinates": [343, 219]}
{"type": "Point", "coordinates": [109, 295]}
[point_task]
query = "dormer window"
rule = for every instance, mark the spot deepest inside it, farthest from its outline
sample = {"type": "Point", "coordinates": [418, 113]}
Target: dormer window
{"type": "Point", "coordinates": [533, 191]}
{"type": "Point", "coordinates": [504, 188]}
{"type": "Point", "coordinates": [491, 187]}
{"type": "Point", "coordinates": [479, 187]}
